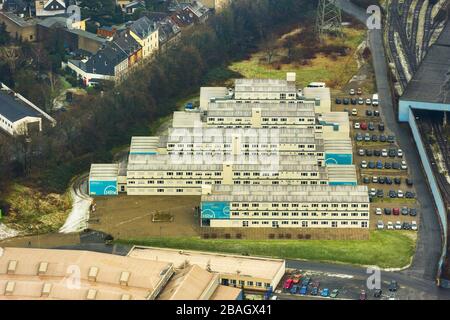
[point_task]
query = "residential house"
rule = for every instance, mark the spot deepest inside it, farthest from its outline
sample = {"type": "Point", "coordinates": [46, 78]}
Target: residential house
{"type": "Point", "coordinates": [131, 7]}
{"type": "Point", "coordinates": [20, 7]}
{"type": "Point", "coordinates": [106, 32]}
{"type": "Point", "coordinates": [47, 8]}
{"type": "Point", "coordinates": [184, 18]}
{"type": "Point", "coordinates": [18, 27]}
{"type": "Point", "coordinates": [145, 32]}
{"type": "Point", "coordinates": [109, 63]}
{"type": "Point", "coordinates": [168, 32]}
{"type": "Point", "coordinates": [199, 10]}
{"type": "Point", "coordinates": [130, 46]}
{"type": "Point", "coordinates": [18, 116]}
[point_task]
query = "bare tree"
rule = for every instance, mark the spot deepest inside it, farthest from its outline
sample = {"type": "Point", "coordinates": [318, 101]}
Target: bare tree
{"type": "Point", "coordinates": [10, 55]}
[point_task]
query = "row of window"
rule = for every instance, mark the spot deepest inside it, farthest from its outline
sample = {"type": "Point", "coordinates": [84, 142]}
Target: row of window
{"type": "Point", "coordinates": [221, 146]}
{"type": "Point", "coordinates": [237, 182]}
{"type": "Point", "coordinates": [296, 205]}
{"type": "Point", "coordinates": [241, 283]}
{"type": "Point", "coordinates": [264, 119]}
{"type": "Point", "coordinates": [302, 214]}
{"type": "Point", "coordinates": [306, 224]}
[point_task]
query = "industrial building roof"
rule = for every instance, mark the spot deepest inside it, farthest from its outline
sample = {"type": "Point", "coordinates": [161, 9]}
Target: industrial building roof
{"type": "Point", "coordinates": [14, 109]}
{"type": "Point", "coordinates": [43, 274]}
{"type": "Point", "coordinates": [238, 111]}
{"type": "Point", "coordinates": [145, 145]}
{"type": "Point", "coordinates": [317, 93]}
{"type": "Point", "coordinates": [342, 173]}
{"type": "Point", "coordinates": [104, 172]}
{"type": "Point", "coordinates": [264, 105]}
{"type": "Point", "coordinates": [264, 85]}
{"type": "Point", "coordinates": [273, 136]}
{"type": "Point", "coordinates": [431, 82]}
{"type": "Point", "coordinates": [184, 119]}
{"type": "Point", "coordinates": [224, 264]}
{"type": "Point", "coordinates": [291, 193]}
{"type": "Point", "coordinates": [338, 146]}
{"type": "Point", "coordinates": [335, 118]}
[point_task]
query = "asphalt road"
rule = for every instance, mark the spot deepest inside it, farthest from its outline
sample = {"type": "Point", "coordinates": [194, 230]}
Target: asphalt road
{"type": "Point", "coordinates": [429, 245]}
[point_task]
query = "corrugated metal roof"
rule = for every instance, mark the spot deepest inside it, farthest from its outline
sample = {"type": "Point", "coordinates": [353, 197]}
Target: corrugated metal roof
{"type": "Point", "coordinates": [107, 171]}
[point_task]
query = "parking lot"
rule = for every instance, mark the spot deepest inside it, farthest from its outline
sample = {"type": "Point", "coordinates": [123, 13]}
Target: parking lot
{"type": "Point", "coordinates": [380, 163]}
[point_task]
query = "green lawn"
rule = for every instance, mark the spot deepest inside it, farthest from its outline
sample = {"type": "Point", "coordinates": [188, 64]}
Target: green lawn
{"type": "Point", "coordinates": [322, 68]}
{"type": "Point", "coordinates": [387, 249]}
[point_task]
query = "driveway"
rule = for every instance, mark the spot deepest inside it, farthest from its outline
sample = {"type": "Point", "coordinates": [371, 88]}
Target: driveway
{"type": "Point", "coordinates": [429, 244]}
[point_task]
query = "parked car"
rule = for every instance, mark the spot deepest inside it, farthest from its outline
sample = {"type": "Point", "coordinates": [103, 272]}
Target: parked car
{"type": "Point", "coordinates": [366, 180]}
{"type": "Point", "coordinates": [367, 137]}
{"type": "Point", "coordinates": [363, 126]}
{"type": "Point", "coordinates": [382, 180]}
{"type": "Point", "coordinates": [410, 195]}
{"type": "Point", "coordinates": [378, 211]}
{"type": "Point", "coordinates": [294, 289]}
{"type": "Point", "coordinates": [393, 286]}
{"type": "Point", "coordinates": [379, 164]}
{"type": "Point", "coordinates": [390, 226]}
{"type": "Point", "coordinates": [414, 225]}
{"type": "Point", "coordinates": [406, 226]}
{"type": "Point", "coordinates": [405, 211]}
{"type": "Point", "coordinates": [403, 165]}
{"type": "Point", "coordinates": [369, 113]}
{"type": "Point", "coordinates": [296, 279]}
{"type": "Point", "coordinates": [372, 192]}
{"type": "Point", "coordinates": [392, 153]}
{"type": "Point", "coordinates": [359, 137]}
{"type": "Point", "coordinates": [380, 225]}
{"type": "Point", "coordinates": [352, 92]}
{"type": "Point", "coordinates": [413, 212]}
{"type": "Point", "coordinates": [391, 139]}
{"type": "Point", "coordinates": [374, 138]}
{"type": "Point", "coordinates": [363, 295]}
{"type": "Point", "coordinates": [357, 125]}
{"type": "Point", "coordinates": [371, 126]}
{"type": "Point", "coordinates": [364, 164]}
{"type": "Point", "coordinates": [387, 211]}
{"type": "Point", "coordinates": [334, 293]}
{"type": "Point", "coordinates": [369, 152]}
{"type": "Point", "coordinates": [400, 194]}
{"type": "Point", "coordinates": [288, 284]}
{"type": "Point", "coordinates": [361, 101]}
{"type": "Point", "coordinates": [314, 291]}
{"type": "Point", "coordinates": [325, 292]}
{"type": "Point", "coordinates": [372, 165]}
{"type": "Point", "coordinates": [382, 138]}
{"type": "Point", "coordinates": [396, 211]}
{"type": "Point", "coordinates": [303, 290]}
{"type": "Point", "coordinates": [354, 101]}
{"type": "Point", "coordinates": [359, 91]}
{"type": "Point", "coordinates": [306, 281]}
{"type": "Point", "coordinates": [376, 113]}
{"type": "Point", "coordinates": [398, 225]}
{"type": "Point", "coordinates": [345, 101]}
{"type": "Point", "coordinates": [381, 126]}
{"type": "Point", "coordinates": [387, 165]}
{"type": "Point", "coordinates": [375, 179]}
{"type": "Point", "coordinates": [384, 153]}
{"type": "Point", "coordinates": [368, 101]}
{"type": "Point", "coordinates": [397, 180]}
{"type": "Point", "coordinates": [338, 101]}
{"type": "Point", "coordinates": [409, 182]}
{"type": "Point", "coordinates": [354, 112]}
{"type": "Point", "coordinates": [377, 293]}
{"type": "Point", "coordinates": [380, 193]}
{"type": "Point", "coordinates": [392, 194]}
{"type": "Point", "coordinates": [399, 153]}
{"type": "Point", "coordinates": [388, 180]}
{"type": "Point", "coordinates": [361, 152]}
{"type": "Point", "coordinates": [395, 165]}
{"type": "Point", "coordinates": [376, 153]}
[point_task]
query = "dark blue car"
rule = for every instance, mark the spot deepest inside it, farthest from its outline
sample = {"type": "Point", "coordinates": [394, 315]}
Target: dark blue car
{"type": "Point", "coordinates": [294, 289]}
{"type": "Point", "coordinates": [303, 290]}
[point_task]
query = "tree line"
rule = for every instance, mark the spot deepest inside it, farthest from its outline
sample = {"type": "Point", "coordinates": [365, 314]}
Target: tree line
{"type": "Point", "coordinates": [98, 123]}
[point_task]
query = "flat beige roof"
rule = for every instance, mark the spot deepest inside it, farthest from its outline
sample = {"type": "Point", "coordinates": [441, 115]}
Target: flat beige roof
{"type": "Point", "coordinates": [226, 293]}
{"type": "Point", "coordinates": [256, 267]}
{"type": "Point", "coordinates": [30, 275]}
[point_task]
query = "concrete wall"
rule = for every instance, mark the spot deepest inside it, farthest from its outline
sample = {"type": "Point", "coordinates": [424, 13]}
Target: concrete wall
{"type": "Point", "coordinates": [442, 212]}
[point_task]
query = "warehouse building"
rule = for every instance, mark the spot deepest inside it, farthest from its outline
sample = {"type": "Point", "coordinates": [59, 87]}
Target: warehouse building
{"type": "Point", "coordinates": [48, 274]}
{"type": "Point", "coordinates": [18, 116]}
{"type": "Point", "coordinates": [103, 179]}
{"type": "Point", "coordinates": [275, 206]}
{"type": "Point", "coordinates": [251, 273]}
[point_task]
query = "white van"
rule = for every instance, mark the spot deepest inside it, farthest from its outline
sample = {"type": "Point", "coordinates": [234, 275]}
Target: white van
{"type": "Point", "coordinates": [375, 100]}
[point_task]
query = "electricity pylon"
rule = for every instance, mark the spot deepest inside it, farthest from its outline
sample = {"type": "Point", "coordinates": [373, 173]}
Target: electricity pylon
{"type": "Point", "coordinates": [328, 19]}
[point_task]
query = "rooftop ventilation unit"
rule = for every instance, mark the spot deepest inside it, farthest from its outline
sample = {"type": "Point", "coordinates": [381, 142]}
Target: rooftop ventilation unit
{"type": "Point", "coordinates": [12, 266]}
{"type": "Point", "coordinates": [93, 272]}
{"type": "Point", "coordinates": [9, 289]}
{"type": "Point", "coordinates": [124, 278]}
{"type": "Point", "coordinates": [91, 294]}
{"type": "Point", "coordinates": [46, 289]}
{"type": "Point", "coordinates": [43, 267]}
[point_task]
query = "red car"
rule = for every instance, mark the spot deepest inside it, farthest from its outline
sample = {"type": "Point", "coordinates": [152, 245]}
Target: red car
{"type": "Point", "coordinates": [288, 284]}
{"type": "Point", "coordinates": [297, 279]}
{"type": "Point", "coordinates": [396, 211]}
{"type": "Point", "coordinates": [363, 126]}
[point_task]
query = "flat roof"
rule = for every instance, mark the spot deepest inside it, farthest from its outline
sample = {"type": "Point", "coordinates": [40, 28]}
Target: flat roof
{"type": "Point", "coordinates": [143, 145]}
{"type": "Point", "coordinates": [264, 85]}
{"type": "Point", "coordinates": [290, 193]}
{"type": "Point", "coordinates": [431, 82]}
{"type": "Point", "coordinates": [342, 173]}
{"type": "Point", "coordinates": [104, 171]}
{"type": "Point", "coordinates": [185, 119]}
{"type": "Point", "coordinates": [225, 293]}
{"type": "Point", "coordinates": [14, 109]}
{"type": "Point", "coordinates": [256, 267]}
{"type": "Point", "coordinates": [338, 146]}
{"type": "Point", "coordinates": [144, 278]}
{"type": "Point", "coordinates": [317, 93]}
{"type": "Point", "coordinates": [88, 35]}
